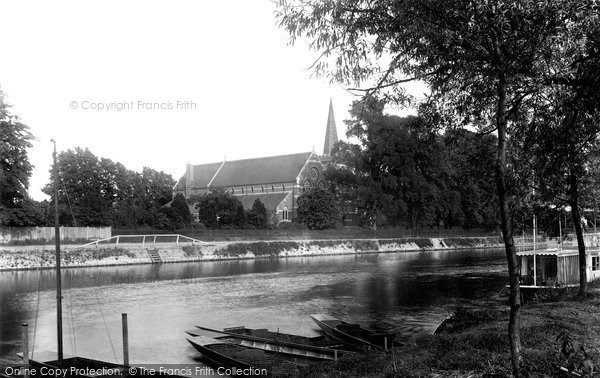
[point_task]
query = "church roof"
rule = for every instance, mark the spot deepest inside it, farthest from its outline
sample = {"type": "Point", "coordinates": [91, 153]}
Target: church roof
{"type": "Point", "coordinates": [265, 170]}
{"type": "Point", "coordinates": [270, 200]}
{"type": "Point", "coordinates": [203, 174]}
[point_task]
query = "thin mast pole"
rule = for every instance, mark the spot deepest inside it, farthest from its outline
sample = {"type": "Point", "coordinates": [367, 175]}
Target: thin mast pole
{"type": "Point", "coordinates": [559, 233]}
{"type": "Point", "coordinates": [534, 245]}
{"type": "Point", "coordinates": [59, 336]}
{"type": "Point", "coordinates": [534, 253]}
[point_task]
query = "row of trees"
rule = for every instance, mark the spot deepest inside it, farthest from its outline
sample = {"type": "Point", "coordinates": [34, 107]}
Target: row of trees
{"type": "Point", "coordinates": [400, 170]}
{"type": "Point", "coordinates": [99, 192]}
{"type": "Point", "coordinates": [526, 70]}
{"type": "Point", "coordinates": [219, 209]}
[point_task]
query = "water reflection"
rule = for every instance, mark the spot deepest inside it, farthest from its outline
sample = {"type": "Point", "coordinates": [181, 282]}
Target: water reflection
{"type": "Point", "coordinates": [404, 292]}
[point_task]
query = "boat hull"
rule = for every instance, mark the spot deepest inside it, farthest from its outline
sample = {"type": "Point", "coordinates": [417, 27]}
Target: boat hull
{"type": "Point", "coordinates": [352, 334]}
{"type": "Point", "coordinates": [303, 347]}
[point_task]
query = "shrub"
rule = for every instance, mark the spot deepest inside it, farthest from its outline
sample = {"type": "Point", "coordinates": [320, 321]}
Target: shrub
{"type": "Point", "coordinates": [318, 209]}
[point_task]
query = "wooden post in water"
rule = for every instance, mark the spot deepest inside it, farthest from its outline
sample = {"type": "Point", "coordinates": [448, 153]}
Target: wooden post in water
{"type": "Point", "coordinates": [125, 340]}
{"type": "Point", "coordinates": [26, 348]}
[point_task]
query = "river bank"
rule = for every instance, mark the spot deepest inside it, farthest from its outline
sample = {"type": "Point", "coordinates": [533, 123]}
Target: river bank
{"type": "Point", "coordinates": [43, 257]}
{"type": "Point", "coordinates": [556, 334]}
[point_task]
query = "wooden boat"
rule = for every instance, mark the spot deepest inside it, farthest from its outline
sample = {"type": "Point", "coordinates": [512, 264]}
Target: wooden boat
{"type": "Point", "coordinates": [352, 334]}
{"type": "Point", "coordinates": [75, 366]}
{"type": "Point", "coordinates": [319, 347]}
{"type": "Point", "coordinates": [243, 360]}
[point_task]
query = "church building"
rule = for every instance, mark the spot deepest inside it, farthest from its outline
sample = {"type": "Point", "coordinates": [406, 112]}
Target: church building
{"type": "Point", "coordinates": [277, 181]}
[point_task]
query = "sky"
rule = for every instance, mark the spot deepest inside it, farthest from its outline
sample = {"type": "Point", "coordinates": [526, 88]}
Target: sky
{"type": "Point", "coordinates": [161, 83]}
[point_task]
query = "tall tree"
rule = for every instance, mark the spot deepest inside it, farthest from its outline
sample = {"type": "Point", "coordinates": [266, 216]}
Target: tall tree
{"type": "Point", "coordinates": [181, 206]}
{"type": "Point", "coordinates": [470, 155]}
{"type": "Point", "coordinates": [482, 58]}
{"type": "Point", "coordinates": [257, 216]}
{"type": "Point", "coordinates": [220, 209]}
{"type": "Point", "coordinates": [563, 136]}
{"type": "Point", "coordinates": [15, 168]}
{"type": "Point", "coordinates": [317, 208]}
{"type": "Point", "coordinates": [400, 170]}
{"type": "Point", "coordinates": [83, 196]}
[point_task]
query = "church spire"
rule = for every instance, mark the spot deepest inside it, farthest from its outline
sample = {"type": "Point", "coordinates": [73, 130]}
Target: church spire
{"type": "Point", "coordinates": [331, 133]}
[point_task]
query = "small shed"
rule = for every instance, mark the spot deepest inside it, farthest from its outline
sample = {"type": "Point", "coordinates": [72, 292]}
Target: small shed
{"type": "Point", "coordinates": [556, 267]}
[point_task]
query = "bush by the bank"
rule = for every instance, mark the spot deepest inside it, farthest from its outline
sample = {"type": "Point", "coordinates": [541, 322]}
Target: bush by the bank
{"type": "Point", "coordinates": [258, 249]}
{"type": "Point", "coordinates": [557, 334]}
{"type": "Point", "coordinates": [192, 250]}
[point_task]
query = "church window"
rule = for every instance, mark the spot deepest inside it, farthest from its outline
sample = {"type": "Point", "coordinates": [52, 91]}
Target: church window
{"type": "Point", "coordinates": [306, 185]}
{"type": "Point", "coordinates": [285, 215]}
{"type": "Point", "coordinates": [314, 173]}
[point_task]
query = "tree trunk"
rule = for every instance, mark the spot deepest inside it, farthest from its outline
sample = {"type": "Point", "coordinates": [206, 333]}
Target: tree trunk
{"type": "Point", "coordinates": [511, 255]}
{"type": "Point", "coordinates": [574, 202]}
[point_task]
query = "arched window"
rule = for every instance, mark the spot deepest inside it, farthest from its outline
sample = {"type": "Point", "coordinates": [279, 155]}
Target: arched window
{"type": "Point", "coordinates": [285, 215]}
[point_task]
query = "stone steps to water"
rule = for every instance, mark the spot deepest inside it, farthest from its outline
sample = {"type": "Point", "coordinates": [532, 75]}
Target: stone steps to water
{"type": "Point", "coordinates": [154, 256]}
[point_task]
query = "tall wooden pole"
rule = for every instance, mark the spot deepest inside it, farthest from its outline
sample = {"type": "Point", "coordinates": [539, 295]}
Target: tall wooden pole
{"type": "Point", "coordinates": [25, 336]}
{"type": "Point", "coordinates": [125, 340]}
{"type": "Point", "coordinates": [534, 252]}
{"type": "Point", "coordinates": [59, 335]}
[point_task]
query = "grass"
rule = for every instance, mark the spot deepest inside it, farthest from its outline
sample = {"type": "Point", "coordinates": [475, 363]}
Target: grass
{"type": "Point", "coordinates": [473, 343]}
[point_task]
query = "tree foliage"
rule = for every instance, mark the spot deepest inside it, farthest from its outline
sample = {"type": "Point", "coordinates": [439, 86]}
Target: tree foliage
{"type": "Point", "coordinates": [258, 216]}
{"type": "Point", "coordinates": [317, 208]}
{"type": "Point", "coordinates": [220, 209]}
{"type": "Point", "coordinates": [402, 171]}
{"type": "Point", "coordinates": [482, 61]}
{"type": "Point", "coordinates": [99, 192]}
{"type": "Point", "coordinates": [181, 206]}
{"type": "Point", "coordinates": [15, 169]}
{"type": "Point", "coordinates": [561, 134]}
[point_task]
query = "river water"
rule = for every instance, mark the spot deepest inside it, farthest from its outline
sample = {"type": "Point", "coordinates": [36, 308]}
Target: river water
{"type": "Point", "coordinates": [407, 292]}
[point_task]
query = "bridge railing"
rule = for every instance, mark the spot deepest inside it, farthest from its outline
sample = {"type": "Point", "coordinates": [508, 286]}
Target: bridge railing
{"type": "Point", "coordinates": [146, 240]}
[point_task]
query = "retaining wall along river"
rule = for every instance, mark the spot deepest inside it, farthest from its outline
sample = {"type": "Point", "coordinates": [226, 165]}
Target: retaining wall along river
{"type": "Point", "coordinates": [43, 257]}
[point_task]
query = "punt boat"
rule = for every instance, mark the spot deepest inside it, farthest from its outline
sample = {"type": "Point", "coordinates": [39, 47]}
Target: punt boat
{"type": "Point", "coordinates": [319, 348]}
{"type": "Point", "coordinates": [352, 334]}
{"type": "Point", "coordinates": [241, 360]}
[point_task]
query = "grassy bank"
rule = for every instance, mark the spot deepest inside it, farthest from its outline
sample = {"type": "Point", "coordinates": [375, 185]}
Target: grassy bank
{"type": "Point", "coordinates": [36, 257]}
{"type": "Point", "coordinates": [563, 332]}
{"type": "Point", "coordinates": [310, 247]}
